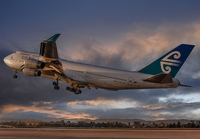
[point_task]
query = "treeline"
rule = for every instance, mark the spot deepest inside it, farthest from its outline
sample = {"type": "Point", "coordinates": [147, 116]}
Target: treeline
{"type": "Point", "coordinates": [20, 124]}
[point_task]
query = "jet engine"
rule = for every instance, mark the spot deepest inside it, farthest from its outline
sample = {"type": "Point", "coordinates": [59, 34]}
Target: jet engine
{"type": "Point", "coordinates": [31, 72]}
{"type": "Point", "coordinates": [34, 64]}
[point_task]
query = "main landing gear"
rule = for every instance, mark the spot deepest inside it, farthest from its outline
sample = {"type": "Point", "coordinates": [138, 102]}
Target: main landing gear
{"type": "Point", "coordinates": [75, 91]}
{"type": "Point", "coordinates": [55, 83]}
{"type": "Point", "coordinates": [15, 76]}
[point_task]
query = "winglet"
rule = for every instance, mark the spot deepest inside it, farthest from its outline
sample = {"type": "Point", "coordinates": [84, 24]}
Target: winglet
{"type": "Point", "coordinates": [53, 38]}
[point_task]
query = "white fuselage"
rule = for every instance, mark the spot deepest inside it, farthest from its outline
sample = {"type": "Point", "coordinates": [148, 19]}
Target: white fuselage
{"type": "Point", "coordinates": [95, 76]}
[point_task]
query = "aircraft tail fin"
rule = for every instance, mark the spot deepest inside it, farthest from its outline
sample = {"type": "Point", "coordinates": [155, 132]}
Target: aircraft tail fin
{"type": "Point", "coordinates": [170, 62]}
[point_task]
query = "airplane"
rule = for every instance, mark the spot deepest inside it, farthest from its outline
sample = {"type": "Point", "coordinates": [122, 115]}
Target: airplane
{"type": "Point", "coordinates": [158, 74]}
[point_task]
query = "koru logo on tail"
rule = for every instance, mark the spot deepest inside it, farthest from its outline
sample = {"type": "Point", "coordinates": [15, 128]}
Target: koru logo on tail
{"type": "Point", "coordinates": [170, 62]}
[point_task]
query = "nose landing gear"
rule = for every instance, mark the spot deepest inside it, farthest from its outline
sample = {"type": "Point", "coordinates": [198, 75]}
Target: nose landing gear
{"type": "Point", "coordinates": [75, 90]}
{"type": "Point", "coordinates": [15, 76]}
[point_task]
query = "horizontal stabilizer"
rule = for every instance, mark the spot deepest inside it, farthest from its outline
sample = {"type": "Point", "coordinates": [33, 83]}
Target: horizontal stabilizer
{"type": "Point", "coordinates": [184, 85]}
{"type": "Point", "coordinates": [160, 78]}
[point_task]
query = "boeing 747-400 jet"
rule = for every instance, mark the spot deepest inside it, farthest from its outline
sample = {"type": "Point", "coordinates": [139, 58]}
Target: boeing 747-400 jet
{"type": "Point", "coordinates": [158, 74]}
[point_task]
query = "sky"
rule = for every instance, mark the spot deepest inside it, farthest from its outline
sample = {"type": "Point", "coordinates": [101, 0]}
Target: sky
{"type": "Point", "coordinates": [121, 34]}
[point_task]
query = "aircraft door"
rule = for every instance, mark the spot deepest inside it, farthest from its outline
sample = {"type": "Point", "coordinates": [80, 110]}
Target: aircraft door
{"type": "Point", "coordinates": [130, 81]}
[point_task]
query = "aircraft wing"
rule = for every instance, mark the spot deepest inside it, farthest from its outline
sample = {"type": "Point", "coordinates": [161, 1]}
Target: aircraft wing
{"type": "Point", "coordinates": [74, 79]}
{"type": "Point", "coordinates": [56, 72]}
{"type": "Point", "coordinates": [49, 54]}
{"type": "Point", "coordinates": [53, 67]}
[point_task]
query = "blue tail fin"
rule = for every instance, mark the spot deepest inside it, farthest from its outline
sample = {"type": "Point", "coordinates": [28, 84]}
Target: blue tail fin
{"type": "Point", "coordinates": [170, 62]}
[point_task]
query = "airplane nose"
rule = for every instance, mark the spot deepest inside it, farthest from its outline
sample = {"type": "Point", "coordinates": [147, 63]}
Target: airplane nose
{"type": "Point", "coordinates": [6, 61]}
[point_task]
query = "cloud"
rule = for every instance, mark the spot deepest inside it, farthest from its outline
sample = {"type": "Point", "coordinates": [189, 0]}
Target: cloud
{"type": "Point", "coordinates": [150, 107]}
{"type": "Point", "coordinates": [169, 106]}
{"type": "Point", "coordinates": [49, 110]}
{"type": "Point", "coordinates": [93, 102]}
{"type": "Point", "coordinates": [102, 104]}
{"type": "Point", "coordinates": [133, 49]}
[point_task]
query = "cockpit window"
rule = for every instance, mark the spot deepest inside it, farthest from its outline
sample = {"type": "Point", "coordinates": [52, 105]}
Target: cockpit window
{"type": "Point", "coordinates": [25, 57]}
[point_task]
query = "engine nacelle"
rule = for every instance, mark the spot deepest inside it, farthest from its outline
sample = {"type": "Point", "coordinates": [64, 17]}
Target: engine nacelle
{"type": "Point", "coordinates": [34, 64]}
{"type": "Point", "coordinates": [31, 72]}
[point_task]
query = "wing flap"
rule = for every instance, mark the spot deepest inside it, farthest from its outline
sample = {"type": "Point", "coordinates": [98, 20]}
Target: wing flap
{"type": "Point", "coordinates": [160, 78]}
